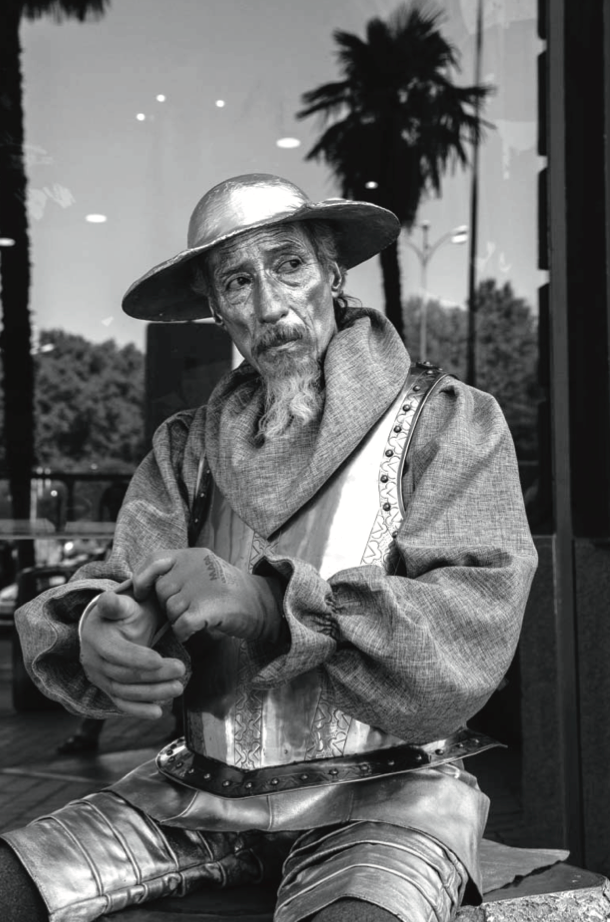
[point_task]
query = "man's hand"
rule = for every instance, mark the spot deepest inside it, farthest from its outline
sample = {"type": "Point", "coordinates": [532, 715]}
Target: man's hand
{"type": "Point", "coordinates": [201, 592]}
{"type": "Point", "coordinates": [117, 659]}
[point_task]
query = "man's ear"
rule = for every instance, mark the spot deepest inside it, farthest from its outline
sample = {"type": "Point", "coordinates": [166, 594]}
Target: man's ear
{"type": "Point", "coordinates": [337, 279]}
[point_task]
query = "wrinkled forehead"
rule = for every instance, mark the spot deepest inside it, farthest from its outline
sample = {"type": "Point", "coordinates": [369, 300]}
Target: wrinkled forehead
{"type": "Point", "coordinates": [256, 243]}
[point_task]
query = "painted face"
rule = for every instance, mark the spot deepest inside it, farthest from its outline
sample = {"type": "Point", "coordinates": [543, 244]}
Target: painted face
{"type": "Point", "coordinates": [274, 297]}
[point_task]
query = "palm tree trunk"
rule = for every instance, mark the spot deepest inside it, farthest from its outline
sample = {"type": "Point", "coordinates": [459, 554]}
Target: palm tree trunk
{"type": "Point", "coordinates": [391, 287]}
{"type": "Point", "coordinates": [15, 339]}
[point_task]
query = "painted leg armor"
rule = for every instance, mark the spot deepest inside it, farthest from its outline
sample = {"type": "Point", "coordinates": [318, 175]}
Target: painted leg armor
{"type": "Point", "coordinates": [100, 855]}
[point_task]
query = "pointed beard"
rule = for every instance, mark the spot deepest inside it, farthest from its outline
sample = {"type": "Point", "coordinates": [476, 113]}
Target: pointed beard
{"type": "Point", "coordinates": [295, 397]}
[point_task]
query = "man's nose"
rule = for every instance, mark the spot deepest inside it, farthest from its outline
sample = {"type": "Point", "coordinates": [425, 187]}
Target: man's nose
{"type": "Point", "coordinates": [269, 302]}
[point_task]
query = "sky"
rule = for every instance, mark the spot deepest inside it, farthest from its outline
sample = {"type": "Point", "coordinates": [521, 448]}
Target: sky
{"type": "Point", "coordinates": [87, 152]}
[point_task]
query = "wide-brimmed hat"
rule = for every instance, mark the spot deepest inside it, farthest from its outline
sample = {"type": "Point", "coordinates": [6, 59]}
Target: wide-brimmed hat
{"type": "Point", "coordinates": [242, 204]}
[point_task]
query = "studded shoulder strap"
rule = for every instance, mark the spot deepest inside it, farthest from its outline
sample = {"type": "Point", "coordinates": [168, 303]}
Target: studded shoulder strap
{"type": "Point", "coordinates": [423, 380]}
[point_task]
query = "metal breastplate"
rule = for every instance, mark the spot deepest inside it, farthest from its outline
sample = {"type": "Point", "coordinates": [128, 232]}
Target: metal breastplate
{"type": "Point", "coordinates": [351, 521]}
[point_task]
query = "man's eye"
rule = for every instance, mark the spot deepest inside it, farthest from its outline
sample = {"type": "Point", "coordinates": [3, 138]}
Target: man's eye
{"type": "Point", "coordinates": [291, 265]}
{"type": "Point", "coordinates": [240, 281]}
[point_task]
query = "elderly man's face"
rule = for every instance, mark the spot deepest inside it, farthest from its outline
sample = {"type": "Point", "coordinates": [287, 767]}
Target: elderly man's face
{"type": "Point", "coordinates": [274, 297]}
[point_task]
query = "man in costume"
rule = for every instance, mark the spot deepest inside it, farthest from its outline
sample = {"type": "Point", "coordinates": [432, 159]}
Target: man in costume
{"type": "Point", "coordinates": [336, 584]}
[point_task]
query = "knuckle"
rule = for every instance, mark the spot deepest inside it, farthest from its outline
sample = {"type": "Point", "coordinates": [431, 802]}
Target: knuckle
{"type": "Point", "coordinates": [175, 606]}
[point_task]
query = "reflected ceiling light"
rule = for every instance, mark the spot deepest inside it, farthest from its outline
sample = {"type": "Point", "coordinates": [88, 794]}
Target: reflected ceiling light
{"type": "Point", "coordinates": [288, 142]}
{"type": "Point", "coordinates": [140, 116]}
{"type": "Point", "coordinates": [96, 218]}
{"type": "Point", "coordinates": [220, 103]}
{"type": "Point", "coordinates": [459, 234]}
{"type": "Point", "coordinates": [7, 242]}
{"type": "Point", "coordinates": [371, 185]}
{"type": "Point", "coordinates": [161, 97]}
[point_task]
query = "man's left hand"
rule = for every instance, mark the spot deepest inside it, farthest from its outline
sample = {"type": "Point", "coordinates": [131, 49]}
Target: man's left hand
{"type": "Point", "coordinates": [201, 592]}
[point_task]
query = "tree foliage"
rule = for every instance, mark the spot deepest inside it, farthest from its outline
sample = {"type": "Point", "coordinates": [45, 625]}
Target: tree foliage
{"type": "Point", "coordinates": [506, 346]}
{"type": "Point", "coordinates": [89, 404]}
{"type": "Point", "coordinates": [397, 119]}
{"type": "Point", "coordinates": [15, 340]}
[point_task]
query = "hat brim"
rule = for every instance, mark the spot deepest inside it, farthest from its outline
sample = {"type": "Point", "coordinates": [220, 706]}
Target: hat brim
{"type": "Point", "coordinates": [164, 294]}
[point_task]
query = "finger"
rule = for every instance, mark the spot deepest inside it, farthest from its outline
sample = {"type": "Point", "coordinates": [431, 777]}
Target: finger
{"type": "Point", "coordinates": [145, 579]}
{"type": "Point", "coordinates": [175, 606]}
{"type": "Point", "coordinates": [112, 606]}
{"type": "Point", "coordinates": [148, 711]}
{"type": "Point", "coordinates": [154, 691]}
{"type": "Point", "coordinates": [170, 671]}
{"type": "Point", "coordinates": [127, 653]}
{"type": "Point", "coordinates": [190, 623]}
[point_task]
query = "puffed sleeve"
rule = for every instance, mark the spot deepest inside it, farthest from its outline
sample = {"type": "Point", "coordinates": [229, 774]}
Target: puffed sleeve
{"type": "Point", "coordinates": [154, 515]}
{"type": "Point", "coordinates": [418, 653]}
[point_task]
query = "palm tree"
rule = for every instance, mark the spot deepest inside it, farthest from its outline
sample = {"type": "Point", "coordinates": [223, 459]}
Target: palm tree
{"type": "Point", "coordinates": [15, 339]}
{"type": "Point", "coordinates": [397, 120]}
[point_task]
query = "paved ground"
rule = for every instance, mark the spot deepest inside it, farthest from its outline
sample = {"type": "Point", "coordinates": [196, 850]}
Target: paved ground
{"type": "Point", "coordinates": [35, 780]}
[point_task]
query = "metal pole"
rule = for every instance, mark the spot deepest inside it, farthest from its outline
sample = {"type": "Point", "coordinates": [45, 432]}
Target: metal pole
{"type": "Point", "coordinates": [423, 326]}
{"type": "Point", "coordinates": [471, 366]}
{"type": "Point", "coordinates": [569, 755]}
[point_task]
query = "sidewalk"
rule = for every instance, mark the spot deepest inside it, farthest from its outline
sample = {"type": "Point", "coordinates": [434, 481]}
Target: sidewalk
{"type": "Point", "coordinates": [35, 780]}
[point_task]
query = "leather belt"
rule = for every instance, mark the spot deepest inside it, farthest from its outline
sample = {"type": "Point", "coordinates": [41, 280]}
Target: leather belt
{"type": "Point", "coordinates": [177, 762]}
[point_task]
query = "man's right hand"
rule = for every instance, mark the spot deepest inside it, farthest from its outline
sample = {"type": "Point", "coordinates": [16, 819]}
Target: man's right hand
{"type": "Point", "coordinates": [117, 659]}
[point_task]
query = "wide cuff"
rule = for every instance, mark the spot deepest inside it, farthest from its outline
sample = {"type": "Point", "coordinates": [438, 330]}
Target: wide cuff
{"type": "Point", "coordinates": [309, 613]}
{"type": "Point", "coordinates": [48, 630]}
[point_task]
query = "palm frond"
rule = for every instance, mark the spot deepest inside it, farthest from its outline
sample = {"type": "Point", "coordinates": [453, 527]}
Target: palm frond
{"type": "Point", "coordinates": [397, 116]}
{"type": "Point", "coordinates": [65, 9]}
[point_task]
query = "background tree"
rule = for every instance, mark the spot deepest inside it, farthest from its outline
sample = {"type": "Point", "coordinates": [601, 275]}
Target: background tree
{"type": "Point", "coordinates": [507, 352]}
{"type": "Point", "coordinates": [397, 120]}
{"type": "Point", "coordinates": [89, 404]}
{"type": "Point", "coordinates": [15, 340]}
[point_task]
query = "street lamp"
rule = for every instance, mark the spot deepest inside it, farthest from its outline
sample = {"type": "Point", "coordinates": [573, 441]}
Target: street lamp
{"type": "Point", "coordinates": [425, 254]}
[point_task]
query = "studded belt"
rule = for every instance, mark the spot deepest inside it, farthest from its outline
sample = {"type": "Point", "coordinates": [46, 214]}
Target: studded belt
{"type": "Point", "coordinates": [177, 762]}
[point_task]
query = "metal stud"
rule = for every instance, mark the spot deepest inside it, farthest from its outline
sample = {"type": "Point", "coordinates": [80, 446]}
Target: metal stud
{"type": "Point", "coordinates": [391, 763]}
{"type": "Point", "coordinates": [430, 372]}
{"type": "Point", "coordinates": [226, 783]}
{"type": "Point", "coordinates": [387, 507]}
{"type": "Point", "coordinates": [439, 752]}
{"type": "Point", "coordinates": [248, 785]}
{"type": "Point", "coordinates": [304, 777]}
{"type": "Point", "coordinates": [275, 781]}
{"type": "Point", "coordinates": [207, 776]}
{"type": "Point", "coordinates": [418, 757]}
{"type": "Point", "coordinates": [334, 771]}
{"type": "Point", "coordinates": [389, 452]}
{"type": "Point", "coordinates": [397, 428]}
{"type": "Point", "coordinates": [384, 478]}
{"type": "Point", "coordinates": [417, 387]}
{"type": "Point", "coordinates": [406, 407]}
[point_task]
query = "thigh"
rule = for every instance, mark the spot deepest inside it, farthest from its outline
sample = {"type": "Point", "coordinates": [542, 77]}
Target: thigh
{"type": "Point", "coordinates": [100, 854]}
{"type": "Point", "coordinates": [403, 871]}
